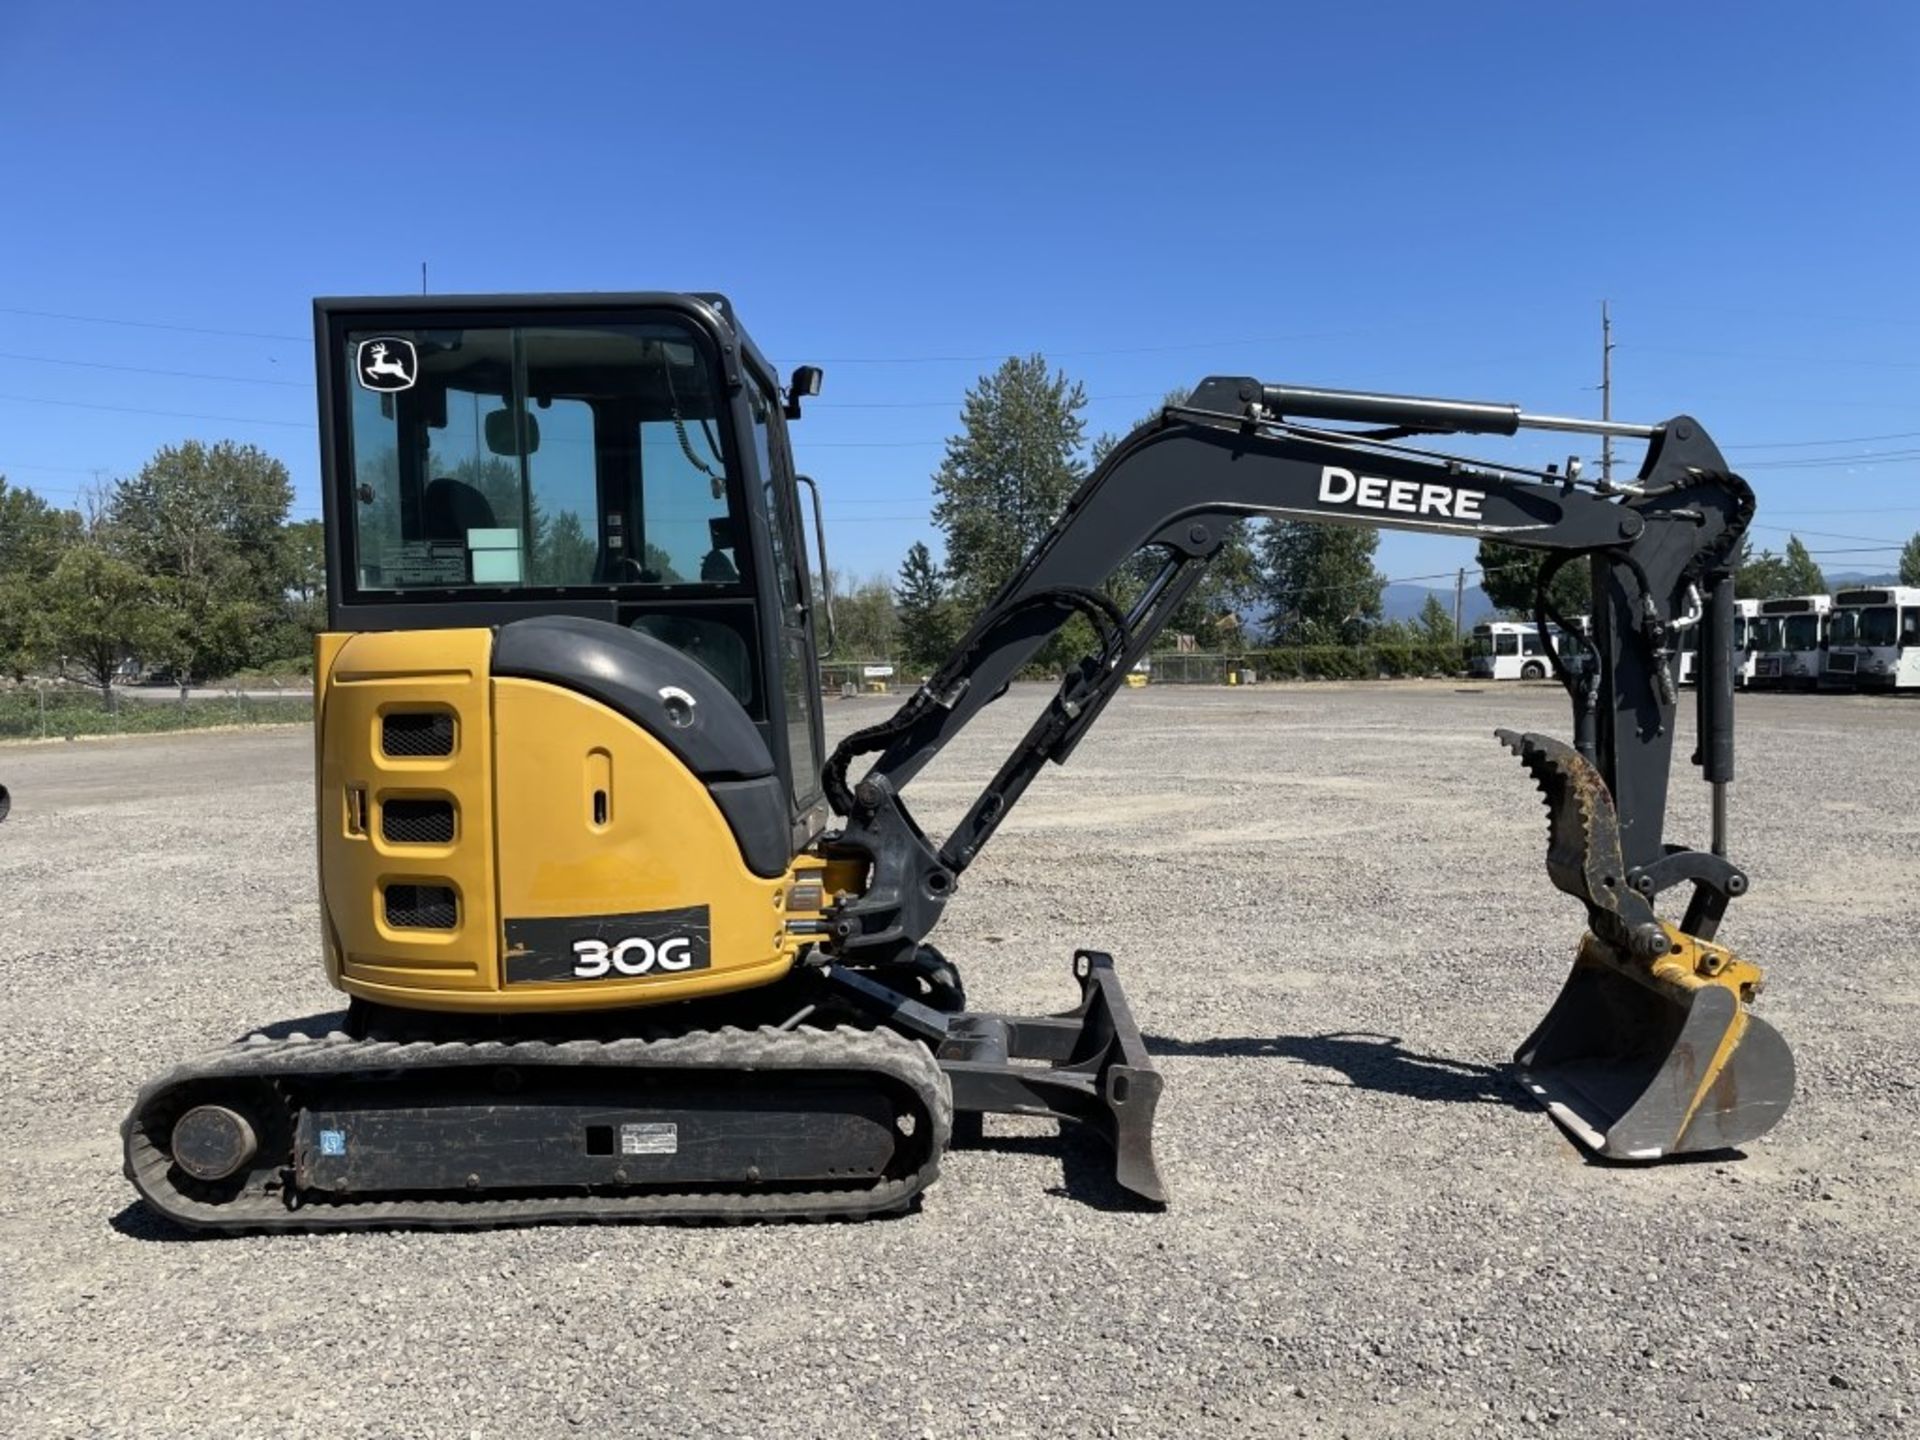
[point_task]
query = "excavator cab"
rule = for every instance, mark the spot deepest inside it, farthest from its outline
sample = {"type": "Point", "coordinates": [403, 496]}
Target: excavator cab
{"type": "Point", "coordinates": [540, 511]}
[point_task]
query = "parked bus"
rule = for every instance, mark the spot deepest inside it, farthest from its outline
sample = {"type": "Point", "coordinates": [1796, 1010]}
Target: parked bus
{"type": "Point", "coordinates": [1510, 650]}
{"type": "Point", "coordinates": [1790, 647]}
{"type": "Point", "coordinates": [1874, 639]}
{"type": "Point", "coordinates": [1744, 612]}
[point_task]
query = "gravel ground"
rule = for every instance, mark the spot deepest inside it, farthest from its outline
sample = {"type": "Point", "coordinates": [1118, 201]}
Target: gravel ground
{"type": "Point", "coordinates": [1329, 908]}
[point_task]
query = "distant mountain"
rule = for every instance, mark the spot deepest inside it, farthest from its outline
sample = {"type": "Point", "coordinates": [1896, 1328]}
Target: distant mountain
{"type": "Point", "coordinates": [1403, 602]}
{"type": "Point", "coordinates": [1848, 579]}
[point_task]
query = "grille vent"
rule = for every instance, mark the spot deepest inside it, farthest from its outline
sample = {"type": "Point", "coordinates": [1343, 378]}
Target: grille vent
{"type": "Point", "coordinates": [417, 822]}
{"type": "Point", "coordinates": [410, 735]}
{"type": "Point", "coordinates": [421, 907]}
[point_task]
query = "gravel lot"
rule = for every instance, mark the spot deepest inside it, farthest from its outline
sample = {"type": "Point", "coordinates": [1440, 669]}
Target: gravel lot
{"type": "Point", "coordinates": [1330, 910]}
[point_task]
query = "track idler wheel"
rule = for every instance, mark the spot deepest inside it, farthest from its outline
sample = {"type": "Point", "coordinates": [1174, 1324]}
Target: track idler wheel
{"type": "Point", "coordinates": [213, 1142]}
{"type": "Point", "coordinates": [1645, 1056]}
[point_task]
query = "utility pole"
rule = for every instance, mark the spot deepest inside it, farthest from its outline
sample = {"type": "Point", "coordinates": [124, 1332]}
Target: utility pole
{"type": "Point", "coordinates": [1606, 392]}
{"type": "Point", "coordinates": [423, 277]}
{"type": "Point", "coordinates": [1459, 595]}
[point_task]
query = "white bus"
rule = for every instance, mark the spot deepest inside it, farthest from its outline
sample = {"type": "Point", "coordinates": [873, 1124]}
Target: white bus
{"type": "Point", "coordinates": [1744, 612]}
{"type": "Point", "coordinates": [1874, 639]}
{"type": "Point", "coordinates": [1791, 642]}
{"type": "Point", "coordinates": [1510, 650]}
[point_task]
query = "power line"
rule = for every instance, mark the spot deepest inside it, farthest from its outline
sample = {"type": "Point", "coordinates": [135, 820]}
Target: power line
{"type": "Point", "coordinates": [1798, 530]}
{"type": "Point", "coordinates": [1869, 509]}
{"type": "Point", "coordinates": [955, 402]}
{"type": "Point", "coordinates": [151, 325]}
{"type": "Point", "coordinates": [1777, 359]}
{"type": "Point", "coordinates": [164, 414]}
{"type": "Point", "coordinates": [1837, 440]}
{"type": "Point", "coordinates": [1835, 462]}
{"type": "Point", "coordinates": [151, 370]}
{"type": "Point", "coordinates": [1088, 354]}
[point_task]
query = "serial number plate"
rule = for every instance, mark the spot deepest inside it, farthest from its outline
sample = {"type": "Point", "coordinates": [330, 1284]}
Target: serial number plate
{"type": "Point", "coordinates": [650, 1138]}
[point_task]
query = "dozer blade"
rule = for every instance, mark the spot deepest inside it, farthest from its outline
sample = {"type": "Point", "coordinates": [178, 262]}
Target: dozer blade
{"type": "Point", "coordinates": [1649, 1050]}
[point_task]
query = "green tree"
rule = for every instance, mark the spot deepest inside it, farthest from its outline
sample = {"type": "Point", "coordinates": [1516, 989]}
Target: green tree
{"type": "Point", "coordinates": [1007, 475]}
{"type": "Point", "coordinates": [1319, 583]}
{"type": "Point", "coordinates": [303, 607]}
{"type": "Point", "coordinates": [101, 610]}
{"type": "Point", "coordinates": [33, 537]}
{"type": "Point", "coordinates": [566, 554]}
{"type": "Point", "coordinates": [305, 562]}
{"type": "Point", "coordinates": [1768, 576]}
{"type": "Point", "coordinates": [204, 523]}
{"type": "Point", "coordinates": [1759, 577]}
{"type": "Point", "coordinates": [1435, 622]}
{"type": "Point", "coordinates": [1910, 561]}
{"type": "Point", "coordinates": [1508, 574]}
{"type": "Point", "coordinates": [864, 620]}
{"type": "Point", "coordinates": [927, 631]}
{"type": "Point", "coordinates": [1803, 575]}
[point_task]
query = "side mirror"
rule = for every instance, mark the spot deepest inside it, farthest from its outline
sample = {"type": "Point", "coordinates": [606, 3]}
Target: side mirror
{"type": "Point", "coordinates": [505, 429]}
{"type": "Point", "coordinates": [804, 385]}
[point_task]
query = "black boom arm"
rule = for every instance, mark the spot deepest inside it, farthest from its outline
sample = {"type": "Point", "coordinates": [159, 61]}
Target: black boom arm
{"type": "Point", "coordinates": [1660, 550]}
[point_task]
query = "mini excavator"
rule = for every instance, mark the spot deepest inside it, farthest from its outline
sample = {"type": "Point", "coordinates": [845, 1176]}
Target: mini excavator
{"type": "Point", "coordinates": [622, 940]}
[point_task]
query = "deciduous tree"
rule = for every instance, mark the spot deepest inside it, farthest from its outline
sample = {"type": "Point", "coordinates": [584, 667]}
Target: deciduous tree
{"type": "Point", "coordinates": [33, 537]}
{"type": "Point", "coordinates": [1319, 582]}
{"type": "Point", "coordinates": [1509, 574]}
{"type": "Point", "coordinates": [204, 523]}
{"type": "Point", "coordinates": [101, 611]}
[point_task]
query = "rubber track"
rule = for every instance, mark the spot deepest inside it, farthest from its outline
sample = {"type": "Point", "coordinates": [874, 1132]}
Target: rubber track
{"type": "Point", "coordinates": [298, 1058]}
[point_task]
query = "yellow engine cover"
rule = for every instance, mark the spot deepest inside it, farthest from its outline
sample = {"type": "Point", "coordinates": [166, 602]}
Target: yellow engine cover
{"type": "Point", "coordinates": [529, 849]}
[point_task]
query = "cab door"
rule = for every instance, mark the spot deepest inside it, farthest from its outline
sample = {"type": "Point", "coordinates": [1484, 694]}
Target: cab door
{"type": "Point", "coordinates": [790, 595]}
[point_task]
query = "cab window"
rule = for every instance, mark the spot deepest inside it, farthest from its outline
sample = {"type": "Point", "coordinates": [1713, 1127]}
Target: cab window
{"type": "Point", "coordinates": [536, 457]}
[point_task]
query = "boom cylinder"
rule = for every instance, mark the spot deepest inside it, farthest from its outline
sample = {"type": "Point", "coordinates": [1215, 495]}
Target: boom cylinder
{"type": "Point", "coordinates": [1414, 412]}
{"type": "Point", "coordinates": [1471, 417]}
{"type": "Point", "coordinates": [1716, 703]}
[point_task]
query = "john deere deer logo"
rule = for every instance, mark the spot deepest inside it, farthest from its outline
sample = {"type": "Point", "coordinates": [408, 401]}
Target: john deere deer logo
{"type": "Point", "coordinates": [387, 364]}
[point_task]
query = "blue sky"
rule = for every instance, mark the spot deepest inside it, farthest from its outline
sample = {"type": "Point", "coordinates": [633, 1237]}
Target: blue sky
{"type": "Point", "coordinates": [1397, 196]}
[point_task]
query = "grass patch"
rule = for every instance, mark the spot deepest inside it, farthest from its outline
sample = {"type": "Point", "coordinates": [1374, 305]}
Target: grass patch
{"type": "Point", "coordinates": [55, 714]}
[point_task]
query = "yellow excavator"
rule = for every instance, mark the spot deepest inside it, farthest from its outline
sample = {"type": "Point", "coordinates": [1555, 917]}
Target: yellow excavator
{"type": "Point", "coordinates": [622, 940]}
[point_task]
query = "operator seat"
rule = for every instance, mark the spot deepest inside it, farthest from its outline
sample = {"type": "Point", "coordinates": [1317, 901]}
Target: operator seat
{"type": "Point", "coordinates": [450, 508]}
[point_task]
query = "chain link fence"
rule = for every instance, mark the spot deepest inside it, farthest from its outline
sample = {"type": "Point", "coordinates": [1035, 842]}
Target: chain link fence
{"type": "Point", "coordinates": [1309, 662]}
{"type": "Point", "coordinates": [55, 711]}
{"type": "Point", "coordinates": [1175, 667]}
{"type": "Point", "coordinates": [867, 677]}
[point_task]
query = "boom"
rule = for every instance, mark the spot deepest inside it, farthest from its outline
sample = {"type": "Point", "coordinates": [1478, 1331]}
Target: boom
{"type": "Point", "coordinates": [1174, 483]}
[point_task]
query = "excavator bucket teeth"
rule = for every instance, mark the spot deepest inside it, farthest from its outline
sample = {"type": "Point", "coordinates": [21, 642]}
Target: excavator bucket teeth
{"type": "Point", "coordinates": [1583, 829]}
{"type": "Point", "coordinates": [1649, 1050]}
{"type": "Point", "coordinates": [1639, 1061]}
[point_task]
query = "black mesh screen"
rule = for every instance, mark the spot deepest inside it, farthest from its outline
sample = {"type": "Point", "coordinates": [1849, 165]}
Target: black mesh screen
{"type": "Point", "coordinates": [421, 907]}
{"type": "Point", "coordinates": [417, 822]}
{"type": "Point", "coordinates": [423, 733]}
